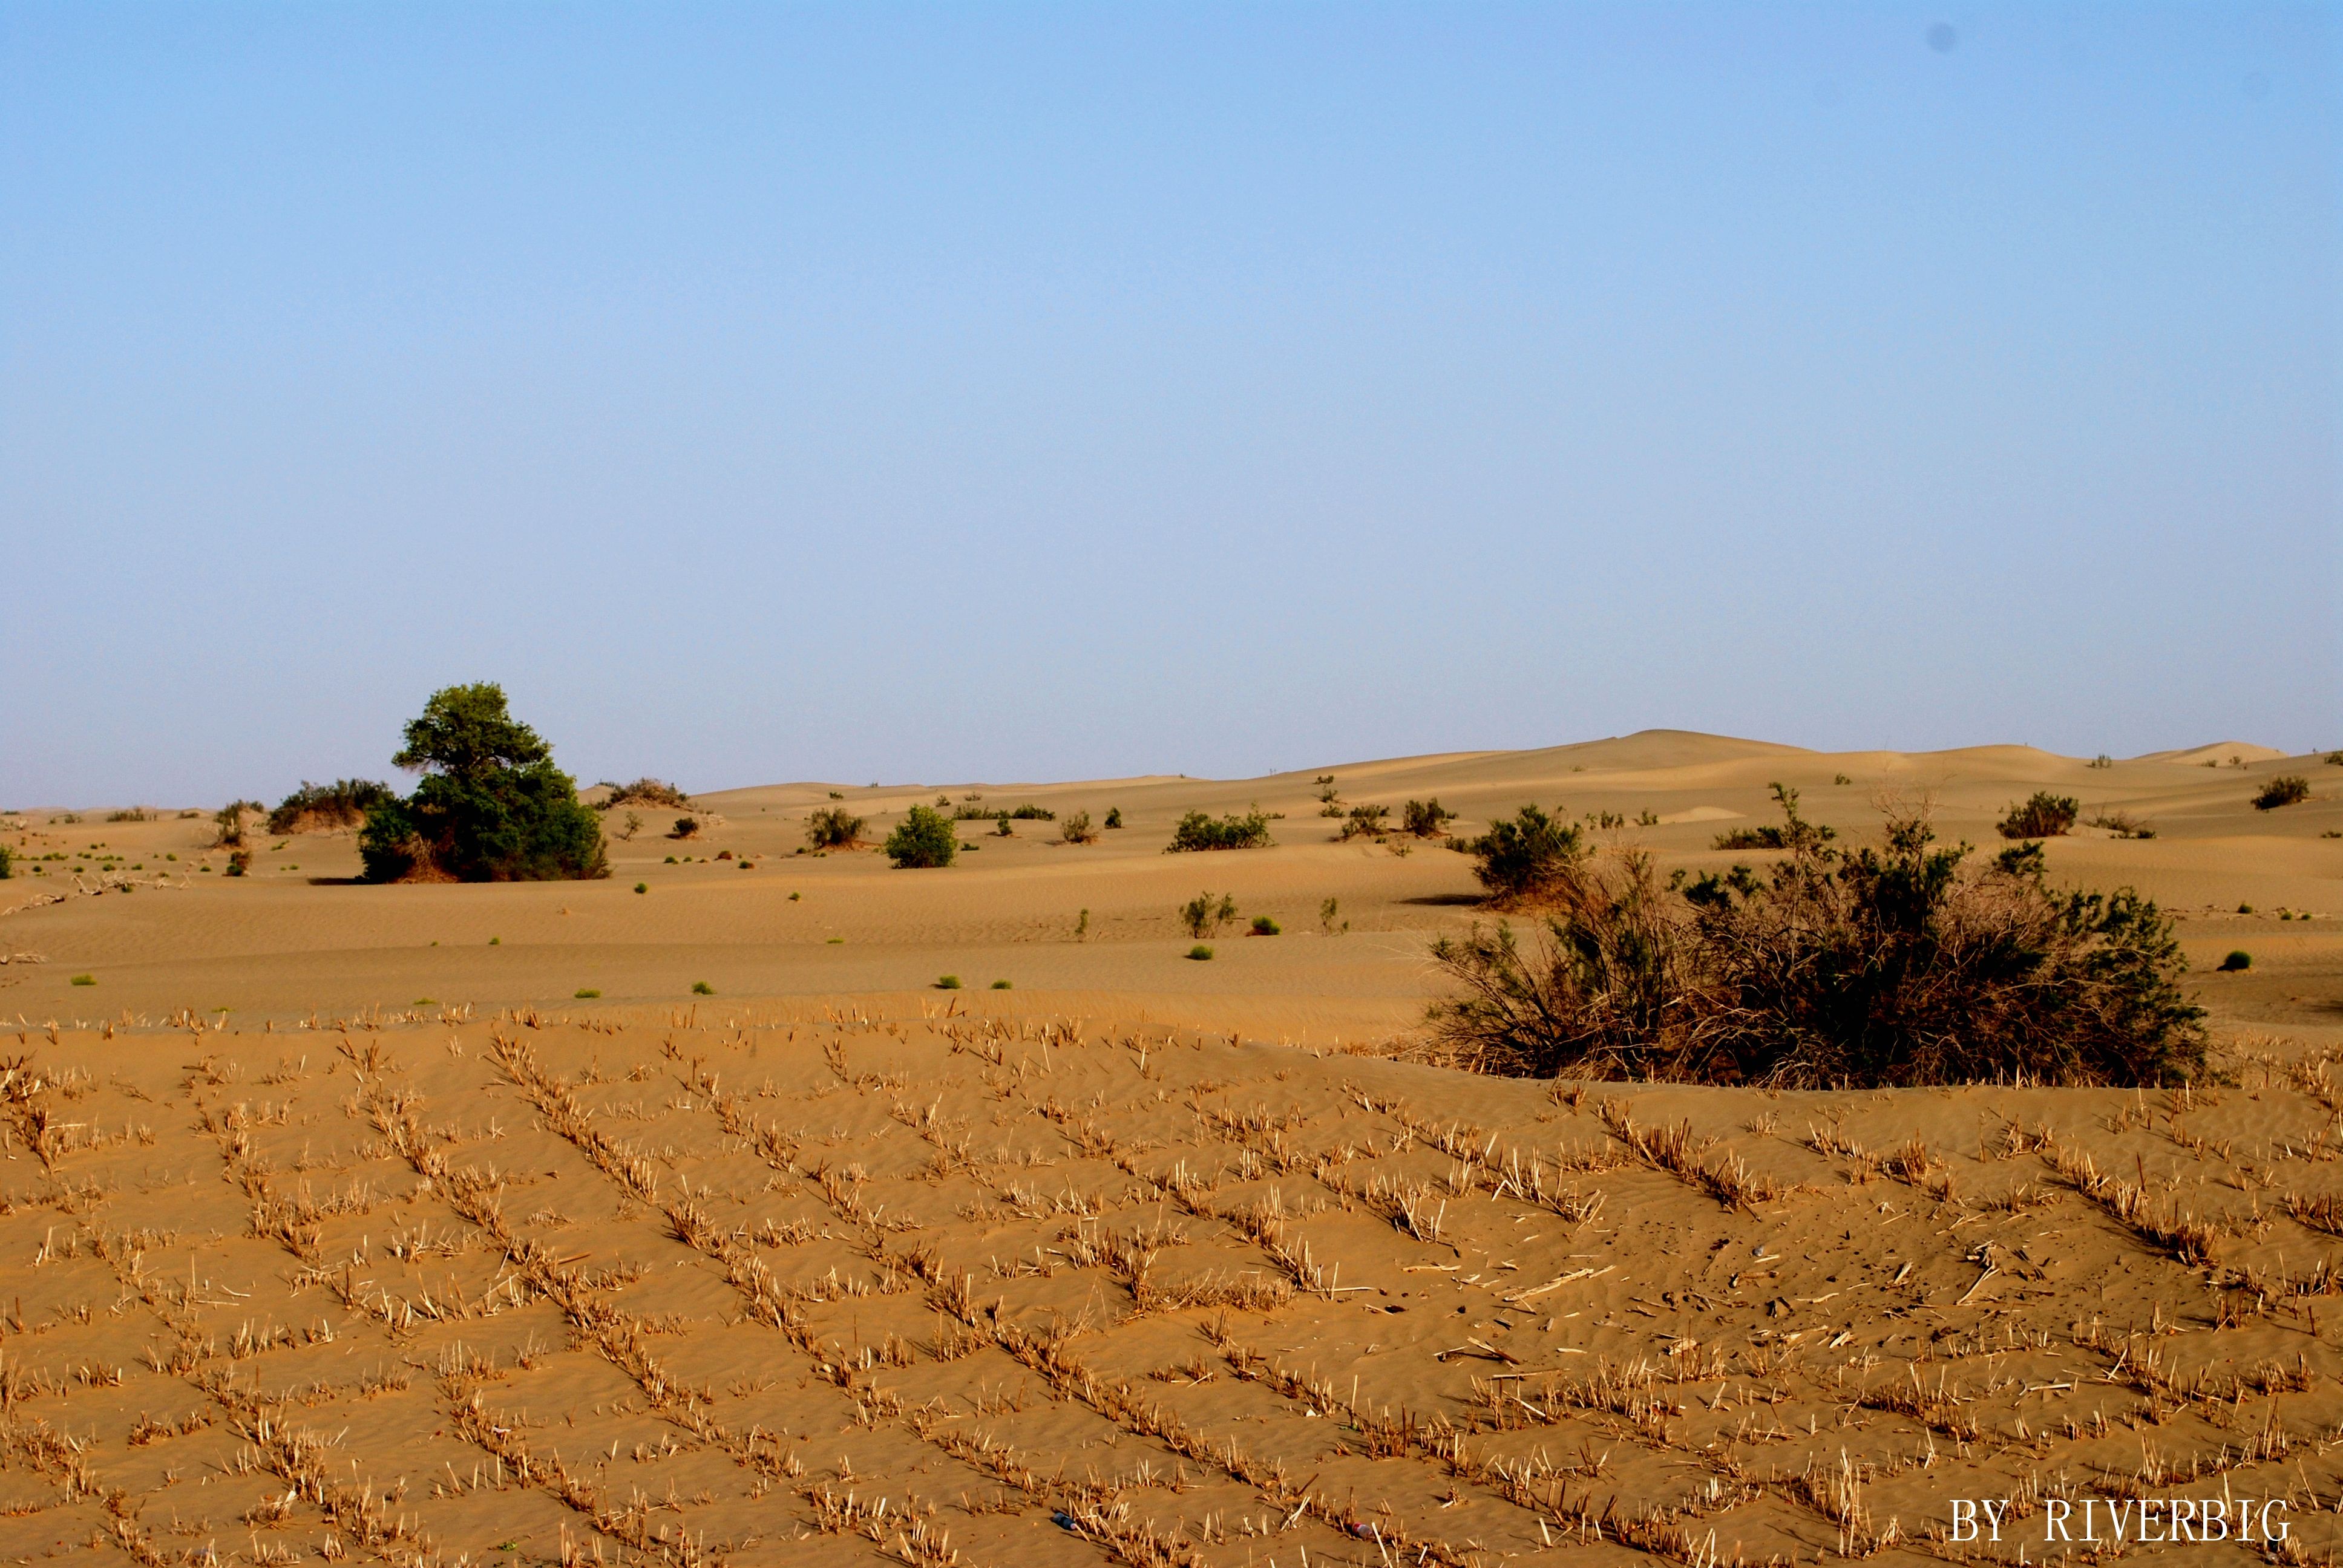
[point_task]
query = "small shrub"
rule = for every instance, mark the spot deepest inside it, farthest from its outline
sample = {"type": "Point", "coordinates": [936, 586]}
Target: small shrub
{"type": "Point", "coordinates": [1003, 830]}
{"type": "Point", "coordinates": [2043, 816]}
{"type": "Point", "coordinates": [837, 794]}
{"type": "Point", "coordinates": [134, 814]}
{"type": "Point", "coordinates": [2333, 759]}
{"type": "Point", "coordinates": [1648, 817]}
{"type": "Point", "coordinates": [924, 839]}
{"type": "Point", "coordinates": [1263, 925]}
{"type": "Point", "coordinates": [970, 811]}
{"type": "Point", "coordinates": [1200, 952]}
{"type": "Point", "coordinates": [948, 982]}
{"type": "Point", "coordinates": [833, 827]}
{"type": "Point", "coordinates": [1792, 832]}
{"type": "Point", "coordinates": [2286, 789]}
{"type": "Point", "coordinates": [1330, 800]}
{"type": "Point", "coordinates": [634, 825]}
{"type": "Point", "coordinates": [6, 869]}
{"type": "Point", "coordinates": [643, 887]}
{"type": "Point", "coordinates": [1326, 913]}
{"type": "Point", "coordinates": [1002, 985]}
{"type": "Point", "coordinates": [1841, 778]}
{"type": "Point", "coordinates": [1523, 857]}
{"type": "Point", "coordinates": [2237, 960]}
{"type": "Point", "coordinates": [1204, 917]}
{"type": "Point", "coordinates": [322, 807]}
{"type": "Point", "coordinates": [1197, 831]}
{"type": "Point", "coordinates": [701, 988]}
{"type": "Point", "coordinates": [1082, 926]}
{"type": "Point", "coordinates": [239, 862]}
{"type": "Point", "coordinates": [1113, 817]}
{"type": "Point", "coordinates": [685, 827]}
{"type": "Point", "coordinates": [83, 979]}
{"type": "Point", "coordinates": [1365, 822]}
{"type": "Point", "coordinates": [647, 792]}
{"type": "Point", "coordinates": [1077, 829]}
{"type": "Point", "coordinates": [1029, 812]}
{"type": "Point", "coordinates": [2123, 825]}
{"type": "Point", "coordinates": [2101, 760]}
{"type": "Point", "coordinates": [585, 993]}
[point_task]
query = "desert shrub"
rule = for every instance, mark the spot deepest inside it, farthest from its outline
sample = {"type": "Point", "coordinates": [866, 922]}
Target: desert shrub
{"type": "Point", "coordinates": [972, 811]}
{"type": "Point", "coordinates": [1113, 817]}
{"type": "Point", "coordinates": [1326, 913]}
{"type": "Point", "coordinates": [1198, 832]}
{"type": "Point", "coordinates": [491, 806]}
{"type": "Point", "coordinates": [1204, 915]}
{"type": "Point", "coordinates": [83, 980]}
{"type": "Point", "coordinates": [647, 792]}
{"type": "Point", "coordinates": [701, 988]}
{"type": "Point", "coordinates": [1648, 817]}
{"type": "Point", "coordinates": [1872, 967]}
{"type": "Point", "coordinates": [643, 887]}
{"type": "Point", "coordinates": [1523, 857]}
{"type": "Point", "coordinates": [2238, 959]}
{"type": "Point", "coordinates": [833, 827]}
{"type": "Point", "coordinates": [1200, 952]}
{"type": "Point", "coordinates": [239, 862]}
{"type": "Point", "coordinates": [1028, 812]}
{"type": "Point", "coordinates": [1077, 829]}
{"type": "Point", "coordinates": [1263, 925]}
{"type": "Point", "coordinates": [2101, 760]}
{"type": "Point", "coordinates": [228, 822]}
{"type": "Point", "coordinates": [1003, 830]}
{"type": "Point", "coordinates": [1002, 985]}
{"type": "Point", "coordinates": [321, 808]}
{"type": "Point", "coordinates": [2122, 824]}
{"type": "Point", "coordinates": [1792, 832]}
{"type": "Point", "coordinates": [1364, 822]}
{"type": "Point", "coordinates": [134, 814]}
{"type": "Point", "coordinates": [6, 869]}
{"type": "Point", "coordinates": [2333, 759]}
{"type": "Point", "coordinates": [948, 982]}
{"type": "Point", "coordinates": [922, 839]}
{"type": "Point", "coordinates": [584, 993]}
{"type": "Point", "coordinates": [2043, 816]}
{"type": "Point", "coordinates": [2286, 789]}
{"type": "Point", "coordinates": [1330, 798]}
{"type": "Point", "coordinates": [685, 827]}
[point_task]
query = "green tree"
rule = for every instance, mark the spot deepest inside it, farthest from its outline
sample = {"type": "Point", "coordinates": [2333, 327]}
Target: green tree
{"type": "Point", "coordinates": [491, 805]}
{"type": "Point", "coordinates": [924, 837]}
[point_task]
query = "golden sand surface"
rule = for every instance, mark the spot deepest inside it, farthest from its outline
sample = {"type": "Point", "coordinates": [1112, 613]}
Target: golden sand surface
{"type": "Point", "coordinates": [1147, 1260]}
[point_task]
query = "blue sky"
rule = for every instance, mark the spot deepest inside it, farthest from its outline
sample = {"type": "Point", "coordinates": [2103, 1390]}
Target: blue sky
{"type": "Point", "coordinates": [1015, 392]}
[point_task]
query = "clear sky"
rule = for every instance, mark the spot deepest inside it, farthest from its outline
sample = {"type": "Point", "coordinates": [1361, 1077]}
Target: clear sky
{"type": "Point", "coordinates": [871, 392]}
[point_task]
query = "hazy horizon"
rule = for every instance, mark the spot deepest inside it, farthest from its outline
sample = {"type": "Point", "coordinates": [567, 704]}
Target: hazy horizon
{"type": "Point", "coordinates": [768, 393]}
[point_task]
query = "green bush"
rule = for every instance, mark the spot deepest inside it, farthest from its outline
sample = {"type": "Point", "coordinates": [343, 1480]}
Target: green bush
{"type": "Point", "coordinates": [1263, 925]}
{"type": "Point", "coordinates": [491, 805]}
{"type": "Point", "coordinates": [1032, 813]}
{"type": "Point", "coordinates": [83, 980]}
{"type": "Point", "coordinates": [2043, 816]}
{"type": "Point", "coordinates": [1113, 817]}
{"type": "Point", "coordinates": [643, 887]}
{"type": "Point", "coordinates": [2237, 960]}
{"type": "Point", "coordinates": [317, 807]}
{"type": "Point", "coordinates": [2286, 789]}
{"type": "Point", "coordinates": [833, 827]}
{"type": "Point", "coordinates": [1200, 952]}
{"type": "Point", "coordinates": [701, 988]}
{"type": "Point", "coordinates": [1425, 819]}
{"type": "Point", "coordinates": [1077, 829]}
{"type": "Point", "coordinates": [585, 993]}
{"type": "Point", "coordinates": [1792, 832]}
{"type": "Point", "coordinates": [948, 982]}
{"type": "Point", "coordinates": [923, 839]}
{"type": "Point", "coordinates": [1204, 916]}
{"type": "Point", "coordinates": [1524, 858]}
{"type": "Point", "coordinates": [239, 862]}
{"type": "Point", "coordinates": [1364, 822]}
{"type": "Point", "coordinates": [6, 870]}
{"type": "Point", "coordinates": [1197, 831]}
{"type": "Point", "coordinates": [1866, 969]}
{"type": "Point", "coordinates": [1002, 985]}
{"type": "Point", "coordinates": [647, 792]}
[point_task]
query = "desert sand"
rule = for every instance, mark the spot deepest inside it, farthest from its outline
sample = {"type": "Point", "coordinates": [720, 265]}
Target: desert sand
{"type": "Point", "coordinates": [336, 1225]}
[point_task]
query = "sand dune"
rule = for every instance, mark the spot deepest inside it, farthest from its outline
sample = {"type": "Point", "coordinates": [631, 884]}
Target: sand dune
{"type": "Point", "coordinates": [1146, 1261]}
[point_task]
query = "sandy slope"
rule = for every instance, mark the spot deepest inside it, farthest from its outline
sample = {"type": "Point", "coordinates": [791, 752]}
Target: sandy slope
{"type": "Point", "coordinates": [1146, 1261]}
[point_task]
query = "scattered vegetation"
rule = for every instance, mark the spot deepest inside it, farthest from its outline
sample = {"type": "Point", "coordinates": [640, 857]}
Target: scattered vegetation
{"type": "Point", "coordinates": [1199, 831]}
{"type": "Point", "coordinates": [1364, 822]}
{"type": "Point", "coordinates": [2123, 825]}
{"type": "Point", "coordinates": [491, 805]}
{"type": "Point", "coordinates": [1028, 812]}
{"type": "Point", "coordinates": [1523, 858]}
{"type": "Point", "coordinates": [1870, 967]}
{"type": "Point", "coordinates": [1077, 829]}
{"type": "Point", "coordinates": [1330, 799]}
{"type": "Point", "coordinates": [646, 792]}
{"type": "Point", "coordinates": [2101, 760]}
{"type": "Point", "coordinates": [1792, 832]}
{"type": "Point", "coordinates": [923, 839]}
{"type": "Point", "coordinates": [228, 822]}
{"type": "Point", "coordinates": [833, 827]}
{"type": "Point", "coordinates": [323, 808]}
{"type": "Point", "coordinates": [2043, 816]}
{"type": "Point", "coordinates": [2286, 789]}
{"type": "Point", "coordinates": [134, 814]}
